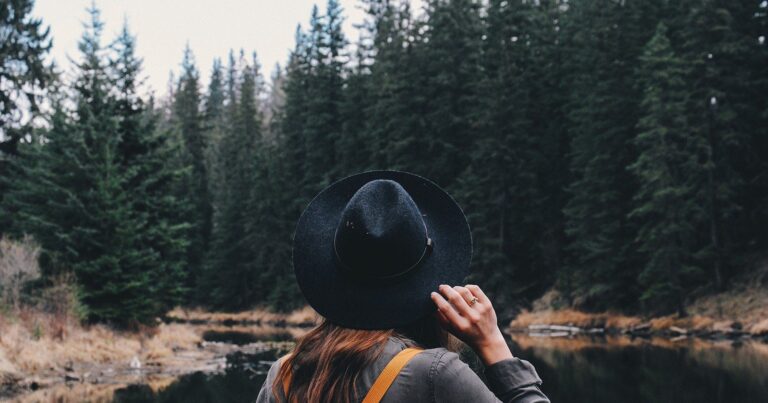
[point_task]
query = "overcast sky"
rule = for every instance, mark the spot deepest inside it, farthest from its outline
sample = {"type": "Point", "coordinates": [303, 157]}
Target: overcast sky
{"type": "Point", "coordinates": [211, 27]}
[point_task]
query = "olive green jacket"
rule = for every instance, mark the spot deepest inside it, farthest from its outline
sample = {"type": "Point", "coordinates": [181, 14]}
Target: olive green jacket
{"type": "Point", "coordinates": [437, 375]}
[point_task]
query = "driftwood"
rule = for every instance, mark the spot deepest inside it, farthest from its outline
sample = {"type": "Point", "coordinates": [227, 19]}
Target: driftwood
{"type": "Point", "coordinates": [554, 328]}
{"type": "Point", "coordinates": [678, 330]}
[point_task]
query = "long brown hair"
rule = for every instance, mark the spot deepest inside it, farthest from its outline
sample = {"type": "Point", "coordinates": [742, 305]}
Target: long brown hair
{"type": "Point", "coordinates": [326, 362]}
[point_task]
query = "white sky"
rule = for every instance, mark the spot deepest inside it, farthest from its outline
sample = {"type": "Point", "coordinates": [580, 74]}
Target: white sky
{"type": "Point", "coordinates": [211, 27]}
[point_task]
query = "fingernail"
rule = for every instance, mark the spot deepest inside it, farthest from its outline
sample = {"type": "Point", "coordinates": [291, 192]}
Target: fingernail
{"type": "Point", "coordinates": [434, 294]}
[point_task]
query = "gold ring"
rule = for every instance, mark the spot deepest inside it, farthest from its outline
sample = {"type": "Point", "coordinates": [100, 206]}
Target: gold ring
{"type": "Point", "coordinates": [474, 301]}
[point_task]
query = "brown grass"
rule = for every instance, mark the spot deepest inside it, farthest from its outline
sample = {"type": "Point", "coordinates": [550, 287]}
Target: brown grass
{"type": "Point", "coordinates": [572, 317]}
{"type": "Point", "coordinates": [610, 320]}
{"type": "Point", "coordinates": [303, 316]}
{"type": "Point", "coordinates": [33, 344]}
{"type": "Point", "coordinates": [263, 332]}
{"type": "Point", "coordinates": [745, 300]}
{"type": "Point", "coordinates": [760, 328]}
{"type": "Point", "coordinates": [695, 322]}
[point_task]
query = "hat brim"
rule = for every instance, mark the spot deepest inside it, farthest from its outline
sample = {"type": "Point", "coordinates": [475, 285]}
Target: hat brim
{"type": "Point", "coordinates": [385, 305]}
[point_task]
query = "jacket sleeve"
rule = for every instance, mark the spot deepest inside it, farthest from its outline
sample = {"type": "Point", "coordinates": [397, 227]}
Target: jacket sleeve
{"type": "Point", "coordinates": [265, 394]}
{"type": "Point", "coordinates": [512, 380]}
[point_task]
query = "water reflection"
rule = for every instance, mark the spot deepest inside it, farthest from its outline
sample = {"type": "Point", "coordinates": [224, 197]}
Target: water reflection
{"type": "Point", "coordinates": [626, 370]}
{"type": "Point", "coordinates": [233, 385]}
{"type": "Point", "coordinates": [613, 369]}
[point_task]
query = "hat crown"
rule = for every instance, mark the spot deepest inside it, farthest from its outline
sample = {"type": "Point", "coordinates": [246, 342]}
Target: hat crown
{"type": "Point", "coordinates": [381, 233]}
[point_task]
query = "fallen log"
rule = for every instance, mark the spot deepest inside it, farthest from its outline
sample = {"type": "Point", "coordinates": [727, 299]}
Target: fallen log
{"type": "Point", "coordinates": [554, 328]}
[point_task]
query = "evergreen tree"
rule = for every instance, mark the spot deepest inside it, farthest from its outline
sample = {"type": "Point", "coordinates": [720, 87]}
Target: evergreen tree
{"type": "Point", "coordinates": [717, 52]}
{"type": "Point", "coordinates": [606, 38]}
{"type": "Point", "coordinates": [145, 152]}
{"type": "Point", "coordinates": [232, 273]}
{"type": "Point", "coordinates": [25, 75]}
{"type": "Point", "coordinates": [189, 121]}
{"type": "Point", "coordinates": [96, 197]}
{"type": "Point", "coordinates": [322, 128]}
{"type": "Point", "coordinates": [394, 134]}
{"type": "Point", "coordinates": [511, 168]}
{"type": "Point", "coordinates": [668, 169]}
{"type": "Point", "coordinates": [214, 113]}
{"type": "Point", "coordinates": [214, 100]}
{"type": "Point", "coordinates": [352, 145]}
{"type": "Point", "coordinates": [755, 112]}
{"type": "Point", "coordinates": [449, 67]}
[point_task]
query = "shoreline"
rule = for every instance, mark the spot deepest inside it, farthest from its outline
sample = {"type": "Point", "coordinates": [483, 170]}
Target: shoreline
{"type": "Point", "coordinates": [189, 341]}
{"type": "Point", "coordinates": [570, 322]}
{"type": "Point", "coordinates": [38, 353]}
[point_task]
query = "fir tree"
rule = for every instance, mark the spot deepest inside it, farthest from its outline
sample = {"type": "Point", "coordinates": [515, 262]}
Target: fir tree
{"type": "Point", "coordinates": [605, 40]}
{"type": "Point", "coordinates": [232, 273]}
{"type": "Point", "coordinates": [668, 171]}
{"type": "Point", "coordinates": [25, 76]}
{"type": "Point", "coordinates": [189, 121]}
{"type": "Point", "coordinates": [716, 52]}
{"type": "Point", "coordinates": [96, 196]}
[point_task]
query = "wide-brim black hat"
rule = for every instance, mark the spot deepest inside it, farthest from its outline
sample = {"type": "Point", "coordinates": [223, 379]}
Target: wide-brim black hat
{"type": "Point", "coordinates": [370, 248]}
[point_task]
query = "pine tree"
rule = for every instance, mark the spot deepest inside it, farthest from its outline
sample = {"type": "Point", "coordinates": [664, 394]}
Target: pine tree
{"type": "Point", "coordinates": [322, 128]}
{"type": "Point", "coordinates": [717, 53]}
{"type": "Point", "coordinates": [511, 165]}
{"type": "Point", "coordinates": [352, 146]}
{"type": "Point", "coordinates": [394, 135]}
{"type": "Point", "coordinates": [215, 122]}
{"type": "Point", "coordinates": [754, 22]}
{"type": "Point", "coordinates": [96, 196]}
{"type": "Point", "coordinates": [232, 274]}
{"type": "Point", "coordinates": [25, 71]}
{"type": "Point", "coordinates": [25, 76]}
{"type": "Point", "coordinates": [605, 41]}
{"type": "Point", "coordinates": [449, 64]}
{"type": "Point", "coordinates": [145, 152]}
{"type": "Point", "coordinates": [668, 170]}
{"type": "Point", "coordinates": [189, 123]}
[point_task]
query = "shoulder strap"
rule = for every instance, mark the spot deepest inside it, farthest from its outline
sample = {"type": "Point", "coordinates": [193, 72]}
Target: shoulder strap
{"type": "Point", "coordinates": [388, 375]}
{"type": "Point", "coordinates": [385, 379]}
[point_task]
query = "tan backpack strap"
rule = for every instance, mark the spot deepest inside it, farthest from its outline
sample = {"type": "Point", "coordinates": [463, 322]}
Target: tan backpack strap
{"type": "Point", "coordinates": [388, 375]}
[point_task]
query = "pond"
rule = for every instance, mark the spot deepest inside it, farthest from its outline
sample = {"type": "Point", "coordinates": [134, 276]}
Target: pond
{"type": "Point", "coordinates": [625, 370]}
{"type": "Point", "coordinates": [604, 369]}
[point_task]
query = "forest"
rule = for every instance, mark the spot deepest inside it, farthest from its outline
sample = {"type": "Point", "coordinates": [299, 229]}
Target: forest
{"type": "Point", "coordinates": [616, 150]}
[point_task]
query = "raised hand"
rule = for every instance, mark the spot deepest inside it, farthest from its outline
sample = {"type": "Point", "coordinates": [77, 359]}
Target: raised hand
{"type": "Point", "coordinates": [468, 314]}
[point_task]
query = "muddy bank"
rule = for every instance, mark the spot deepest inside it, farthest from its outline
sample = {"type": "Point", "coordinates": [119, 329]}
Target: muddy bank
{"type": "Point", "coordinates": [740, 312]}
{"type": "Point", "coordinates": [99, 382]}
{"type": "Point", "coordinates": [37, 355]}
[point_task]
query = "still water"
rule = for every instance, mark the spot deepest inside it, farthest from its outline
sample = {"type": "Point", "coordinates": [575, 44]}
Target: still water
{"type": "Point", "coordinates": [574, 370]}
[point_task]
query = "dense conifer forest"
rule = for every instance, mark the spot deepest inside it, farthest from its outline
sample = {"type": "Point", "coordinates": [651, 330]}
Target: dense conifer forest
{"type": "Point", "coordinates": [614, 149]}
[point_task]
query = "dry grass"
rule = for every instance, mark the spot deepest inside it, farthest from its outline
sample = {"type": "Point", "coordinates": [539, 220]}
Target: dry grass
{"type": "Point", "coordinates": [609, 320]}
{"type": "Point", "coordinates": [571, 317]}
{"type": "Point", "coordinates": [760, 328]}
{"type": "Point", "coordinates": [694, 322]}
{"type": "Point", "coordinates": [744, 305]}
{"type": "Point", "coordinates": [32, 345]}
{"type": "Point", "coordinates": [263, 332]}
{"type": "Point", "coordinates": [303, 316]}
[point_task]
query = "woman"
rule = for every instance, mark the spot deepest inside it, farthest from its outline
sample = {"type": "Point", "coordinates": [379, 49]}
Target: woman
{"type": "Point", "coordinates": [373, 254]}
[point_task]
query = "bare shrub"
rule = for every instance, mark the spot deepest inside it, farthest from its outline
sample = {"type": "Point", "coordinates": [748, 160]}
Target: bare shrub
{"type": "Point", "coordinates": [61, 302]}
{"type": "Point", "coordinates": [18, 265]}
